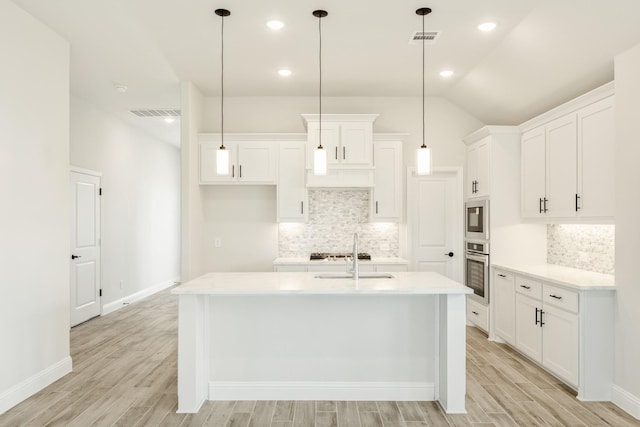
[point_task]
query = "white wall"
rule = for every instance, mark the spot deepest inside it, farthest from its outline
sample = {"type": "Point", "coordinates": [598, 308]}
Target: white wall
{"type": "Point", "coordinates": [627, 369]}
{"type": "Point", "coordinates": [34, 211]}
{"type": "Point", "coordinates": [446, 125]}
{"type": "Point", "coordinates": [140, 201]}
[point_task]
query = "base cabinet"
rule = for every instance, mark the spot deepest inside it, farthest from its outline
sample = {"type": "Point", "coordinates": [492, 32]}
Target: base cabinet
{"type": "Point", "coordinates": [560, 343]}
{"type": "Point", "coordinates": [504, 310]}
{"type": "Point", "coordinates": [528, 329]}
{"type": "Point", "coordinates": [478, 314]}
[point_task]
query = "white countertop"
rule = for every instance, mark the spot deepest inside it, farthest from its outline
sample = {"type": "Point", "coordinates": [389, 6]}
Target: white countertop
{"type": "Point", "coordinates": [272, 283]}
{"type": "Point", "coordinates": [564, 276]}
{"type": "Point", "coordinates": [307, 261]}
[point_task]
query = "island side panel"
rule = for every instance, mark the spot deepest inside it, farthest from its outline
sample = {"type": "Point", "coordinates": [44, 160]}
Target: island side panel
{"type": "Point", "coordinates": [452, 353]}
{"type": "Point", "coordinates": [193, 352]}
{"type": "Point", "coordinates": [335, 347]}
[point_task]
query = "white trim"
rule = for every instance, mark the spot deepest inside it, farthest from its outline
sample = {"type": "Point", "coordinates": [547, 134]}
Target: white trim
{"type": "Point", "coordinates": [259, 137]}
{"type": "Point", "coordinates": [339, 118]}
{"type": "Point", "coordinates": [626, 401]}
{"type": "Point", "coordinates": [319, 390]}
{"type": "Point", "coordinates": [34, 384]}
{"type": "Point", "coordinates": [389, 136]}
{"type": "Point", "coordinates": [485, 131]}
{"type": "Point", "coordinates": [85, 171]}
{"type": "Point", "coordinates": [572, 106]}
{"type": "Point", "coordinates": [133, 298]}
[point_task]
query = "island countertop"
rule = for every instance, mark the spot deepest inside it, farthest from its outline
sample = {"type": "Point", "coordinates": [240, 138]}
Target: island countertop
{"type": "Point", "coordinates": [302, 283]}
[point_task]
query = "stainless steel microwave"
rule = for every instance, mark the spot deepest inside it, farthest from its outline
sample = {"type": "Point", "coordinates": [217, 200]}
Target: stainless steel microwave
{"type": "Point", "coordinates": [477, 220]}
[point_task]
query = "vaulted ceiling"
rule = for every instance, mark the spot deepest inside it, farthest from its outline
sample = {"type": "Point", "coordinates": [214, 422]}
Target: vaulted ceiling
{"type": "Point", "coordinates": [542, 53]}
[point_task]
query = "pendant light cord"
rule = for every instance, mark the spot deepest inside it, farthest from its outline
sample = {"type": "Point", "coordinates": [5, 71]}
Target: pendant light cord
{"type": "Point", "coordinates": [222, 85]}
{"type": "Point", "coordinates": [320, 89]}
{"type": "Point", "coordinates": [423, 135]}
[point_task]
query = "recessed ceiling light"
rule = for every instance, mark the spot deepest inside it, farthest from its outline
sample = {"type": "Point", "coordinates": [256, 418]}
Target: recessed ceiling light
{"type": "Point", "coordinates": [169, 119]}
{"type": "Point", "coordinates": [284, 72]}
{"type": "Point", "coordinates": [446, 73]}
{"type": "Point", "coordinates": [275, 25]}
{"type": "Point", "coordinates": [487, 26]}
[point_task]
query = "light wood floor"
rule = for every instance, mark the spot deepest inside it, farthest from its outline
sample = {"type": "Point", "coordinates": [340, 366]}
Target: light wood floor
{"type": "Point", "coordinates": [125, 374]}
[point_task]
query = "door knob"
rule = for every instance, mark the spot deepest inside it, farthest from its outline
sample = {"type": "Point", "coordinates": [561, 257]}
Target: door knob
{"type": "Point", "coordinates": [450, 254]}
{"type": "Point", "coordinates": [76, 256]}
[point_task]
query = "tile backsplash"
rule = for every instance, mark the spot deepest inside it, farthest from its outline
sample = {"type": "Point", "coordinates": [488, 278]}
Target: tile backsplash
{"type": "Point", "coordinates": [334, 215]}
{"type": "Point", "coordinates": [583, 246]}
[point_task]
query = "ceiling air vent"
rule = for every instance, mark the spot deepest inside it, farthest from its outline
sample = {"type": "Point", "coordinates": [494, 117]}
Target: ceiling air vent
{"type": "Point", "coordinates": [429, 37]}
{"type": "Point", "coordinates": [156, 113]}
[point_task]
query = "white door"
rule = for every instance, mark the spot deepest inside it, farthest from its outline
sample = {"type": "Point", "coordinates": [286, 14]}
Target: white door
{"type": "Point", "coordinates": [562, 173]}
{"type": "Point", "coordinates": [528, 330]}
{"type": "Point", "coordinates": [85, 247]}
{"type": "Point", "coordinates": [435, 222]}
{"type": "Point", "coordinates": [533, 172]}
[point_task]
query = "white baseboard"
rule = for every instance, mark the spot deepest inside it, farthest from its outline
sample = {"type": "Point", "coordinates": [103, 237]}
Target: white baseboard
{"type": "Point", "coordinates": [313, 390]}
{"type": "Point", "coordinates": [626, 401]}
{"type": "Point", "coordinates": [140, 295]}
{"type": "Point", "coordinates": [33, 384]}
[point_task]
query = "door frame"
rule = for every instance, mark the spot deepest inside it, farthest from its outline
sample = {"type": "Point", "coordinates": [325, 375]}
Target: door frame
{"type": "Point", "coordinates": [97, 174]}
{"type": "Point", "coordinates": [458, 212]}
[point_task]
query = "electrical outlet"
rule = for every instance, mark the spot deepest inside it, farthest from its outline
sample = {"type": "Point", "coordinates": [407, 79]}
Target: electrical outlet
{"type": "Point", "coordinates": [217, 242]}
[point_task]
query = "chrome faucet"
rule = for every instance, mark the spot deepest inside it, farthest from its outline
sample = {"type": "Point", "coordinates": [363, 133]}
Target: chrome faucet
{"type": "Point", "coordinates": [356, 272]}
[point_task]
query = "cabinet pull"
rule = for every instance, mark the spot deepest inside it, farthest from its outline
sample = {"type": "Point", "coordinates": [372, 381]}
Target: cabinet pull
{"type": "Point", "coordinates": [336, 153]}
{"type": "Point", "coordinates": [501, 275]}
{"type": "Point", "coordinates": [525, 287]}
{"type": "Point", "coordinates": [302, 207]}
{"type": "Point", "coordinates": [545, 205]}
{"type": "Point", "coordinates": [240, 171]}
{"type": "Point", "coordinates": [344, 153]}
{"type": "Point", "coordinates": [541, 322]}
{"type": "Point", "coordinates": [376, 206]}
{"type": "Point", "coordinates": [555, 296]}
{"type": "Point", "coordinates": [233, 171]}
{"type": "Point", "coordinates": [577, 205]}
{"type": "Point", "coordinates": [475, 312]}
{"type": "Point", "coordinates": [537, 315]}
{"type": "Point", "coordinates": [540, 205]}
{"type": "Point", "coordinates": [477, 187]}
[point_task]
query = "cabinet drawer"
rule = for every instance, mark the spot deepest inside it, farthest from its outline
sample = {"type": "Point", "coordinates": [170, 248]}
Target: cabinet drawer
{"type": "Point", "coordinates": [560, 297]}
{"type": "Point", "coordinates": [503, 276]}
{"type": "Point", "coordinates": [529, 287]}
{"type": "Point", "coordinates": [478, 314]}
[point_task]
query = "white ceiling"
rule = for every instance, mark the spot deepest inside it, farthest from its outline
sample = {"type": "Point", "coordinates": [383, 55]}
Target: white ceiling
{"type": "Point", "coordinates": [543, 52]}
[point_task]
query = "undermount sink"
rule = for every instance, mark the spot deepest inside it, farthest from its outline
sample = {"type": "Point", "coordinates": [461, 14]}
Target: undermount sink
{"type": "Point", "coordinates": [340, 275]}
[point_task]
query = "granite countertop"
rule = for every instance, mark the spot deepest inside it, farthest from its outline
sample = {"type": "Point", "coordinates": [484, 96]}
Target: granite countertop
{"type": "Point", "coordinates": [564, 276]}
{"type": "Point", "coordinates": [273, 283]}
{"type": "Point", "coordinates": [307, 261]}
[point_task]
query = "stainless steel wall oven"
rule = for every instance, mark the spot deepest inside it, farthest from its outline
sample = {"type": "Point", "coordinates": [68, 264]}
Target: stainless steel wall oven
{"type": "Point", "coordinates": [477, 270]}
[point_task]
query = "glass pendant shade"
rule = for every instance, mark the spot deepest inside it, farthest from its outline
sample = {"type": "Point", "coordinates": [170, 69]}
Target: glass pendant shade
{"type": "Point", "coordinates": [320, 161]}
{"type": "Point", "coordinates": [423, 160]}
{"type": "Point", "coordinates": [222, 161]}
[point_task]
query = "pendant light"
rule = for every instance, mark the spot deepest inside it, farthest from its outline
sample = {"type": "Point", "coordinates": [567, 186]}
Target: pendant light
{"type": "Point", "coordinates": [423, 153]}
{"type": "Point", "coordinates": [222, 154]}
{"type": "Point", "coordinates": [320, 154]}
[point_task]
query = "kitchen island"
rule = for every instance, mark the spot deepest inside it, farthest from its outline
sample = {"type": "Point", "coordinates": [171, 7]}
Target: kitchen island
{"type": "Point", "coordinates": [294, 336]}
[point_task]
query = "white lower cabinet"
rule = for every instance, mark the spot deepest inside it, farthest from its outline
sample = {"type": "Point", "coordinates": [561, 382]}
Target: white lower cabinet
{"type": "Point", "coordinates": [478, 314]}
{"type": "Point", "coordinates": [567, 330]}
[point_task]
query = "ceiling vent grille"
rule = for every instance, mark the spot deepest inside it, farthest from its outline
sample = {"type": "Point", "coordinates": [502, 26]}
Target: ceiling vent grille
{"type": "Point", "coordinates": [156, 113]}
{"type": "Point", "coordinates": [429, 37]}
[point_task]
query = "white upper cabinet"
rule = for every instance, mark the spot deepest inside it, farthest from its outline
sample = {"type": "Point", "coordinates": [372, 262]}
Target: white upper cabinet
{"type": "Point", "coordinates": [568, 161]}
{"type": "Point", "coordinates": [292, 193]}
{"type": "Point", "coordinates": [252, 160]}
{"type": "Point", "coordinates": [386, 200]}
{"type": "Point", "coordinates": [478, 167]}
{"type": "Point", "coordinates": [348, 138]}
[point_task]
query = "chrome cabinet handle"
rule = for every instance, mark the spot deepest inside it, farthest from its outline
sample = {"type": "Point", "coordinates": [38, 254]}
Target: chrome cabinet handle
{"type": "Point", "coordinates": [555, 296]}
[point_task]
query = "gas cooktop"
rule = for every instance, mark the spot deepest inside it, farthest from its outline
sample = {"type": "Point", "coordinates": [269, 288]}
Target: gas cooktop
{"type": "Point", "coordinates": [337, 255]}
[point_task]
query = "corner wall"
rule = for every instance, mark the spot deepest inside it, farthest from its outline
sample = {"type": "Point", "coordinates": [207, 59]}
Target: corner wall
{"type": "Point", "coordinates": [626, 391]}
{"type": "Point", "coordinates": [34, 215]}
{"type": "Point", "coordinates": [140, 203]}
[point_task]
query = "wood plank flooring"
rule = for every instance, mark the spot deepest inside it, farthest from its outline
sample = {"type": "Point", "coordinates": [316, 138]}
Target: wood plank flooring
{"type": "Point", "coordinates": [125, 375]}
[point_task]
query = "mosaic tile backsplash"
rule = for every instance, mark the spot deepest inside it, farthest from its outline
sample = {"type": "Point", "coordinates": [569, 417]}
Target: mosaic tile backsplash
{"type": "Point", "coordinates": [334, 215]}
{"type": "Point", "coordinates": [587, 247]}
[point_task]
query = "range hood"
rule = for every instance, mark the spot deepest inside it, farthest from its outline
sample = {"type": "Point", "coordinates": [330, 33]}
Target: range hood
{"type": "Point", "coordinates": [342, 177]}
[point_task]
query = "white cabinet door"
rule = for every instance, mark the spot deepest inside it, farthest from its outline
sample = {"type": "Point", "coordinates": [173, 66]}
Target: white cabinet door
{"type": "Point", "coordinates": [356, 143]}
{"type": "Point", "coordinates": [387, 193]}
{"type": "Point", "coordinates": [256, 162]}
{"type": "Point", "coordinates": [330, 141]}
{"type": "Point", "coordinates": [596, 159]}
{"type": "Point", "coordinates": [562, 174]}
{"type": "Point", "coordinates": [472, 171]}
{"type": "Point", "coordinates": [292, 193]}
{"type": "Point", "coordinates": [533, 172]}
{"type": "Point", "coordinates": [208, 174]}
{"type": "Point", "coordinates": [528, 332]}
{"type": "Point", "coordinates": [482, 170]}
{"type": "Point", "coordinates": [504, 305]}
{"type": "Point", "coordinates": [560, 343]}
